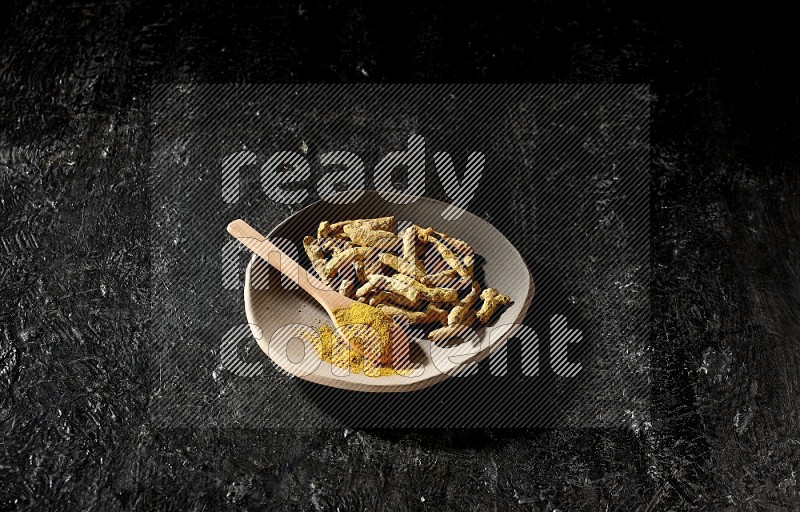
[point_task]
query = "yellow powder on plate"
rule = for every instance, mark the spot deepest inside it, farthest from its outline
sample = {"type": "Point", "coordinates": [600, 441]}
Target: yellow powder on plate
{"type": "Point", "coordinates": [334, 349]}
{"type": "Point", "coordinates": [368, 329]}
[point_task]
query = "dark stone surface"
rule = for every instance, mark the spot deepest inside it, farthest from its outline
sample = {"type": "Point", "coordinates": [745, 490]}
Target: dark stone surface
{"type": "Point", "coordinates": [74, 259]}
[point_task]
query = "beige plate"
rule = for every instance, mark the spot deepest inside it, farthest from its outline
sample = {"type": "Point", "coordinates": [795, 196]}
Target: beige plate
{"type": "Point", "coordinates": [274, 312]}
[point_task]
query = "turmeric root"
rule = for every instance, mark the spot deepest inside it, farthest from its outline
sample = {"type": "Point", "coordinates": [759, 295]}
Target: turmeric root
{"type": "Point", "coordinates": [337, 260]}
{"type": "Point", "coordinates": [449, 331]}
{"type": "Point", "coordinates": [491, 301]}
{"type": "Point", "coordinates": [365, 236]}
{"type": "Point", "coordinates": [459, 312]}
{"type": "Point", "coordinates": [382, 223]}
{"type": "Point", "coordinates": [383, 297]}
{"type": "Point", "coordinates": [401, 265]}
{"type": "Point", "coordinates": [411, 288]}
{"type": "Point", "coordinates": [316, 256]}
{"type": "Point", "coordinates": [347, 288]}
{"type": "Point", "coordinates": [429, 315]}
{"type": "Point", "coordinates": [450, 257]}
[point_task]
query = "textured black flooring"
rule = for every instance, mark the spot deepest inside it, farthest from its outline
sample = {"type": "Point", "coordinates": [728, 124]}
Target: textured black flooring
{"type": "Point", "coordinates": [74, 259]}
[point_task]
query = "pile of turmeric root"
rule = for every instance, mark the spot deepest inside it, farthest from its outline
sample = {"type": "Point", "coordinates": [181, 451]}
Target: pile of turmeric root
{"type": "Point", "coordinates": [420, 274]}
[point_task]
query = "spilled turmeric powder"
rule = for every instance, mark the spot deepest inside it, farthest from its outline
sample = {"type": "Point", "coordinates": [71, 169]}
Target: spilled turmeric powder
{"type": "Point", "coordinates": [331, 347]}
{"type": "Point", "coordinates": [368, 329]}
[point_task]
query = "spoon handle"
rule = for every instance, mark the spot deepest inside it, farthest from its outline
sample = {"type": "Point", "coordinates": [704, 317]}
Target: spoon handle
{"type": "Point", "coordinates": [270, 253]}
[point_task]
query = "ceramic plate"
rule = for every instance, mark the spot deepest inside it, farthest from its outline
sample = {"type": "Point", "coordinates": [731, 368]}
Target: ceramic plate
{"type": "Point", "coordinates": [276, 312]}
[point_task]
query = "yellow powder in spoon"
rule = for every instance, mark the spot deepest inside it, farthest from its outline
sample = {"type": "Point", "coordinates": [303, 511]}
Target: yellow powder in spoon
{"type": "Point", "coordinates": [334, 349]}
{"type": "Point", "coordinates": [375, 339]}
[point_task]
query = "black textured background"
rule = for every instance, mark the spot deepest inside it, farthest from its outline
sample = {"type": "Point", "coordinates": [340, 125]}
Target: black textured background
{"type": "Point", "coordinates": [74, 258]}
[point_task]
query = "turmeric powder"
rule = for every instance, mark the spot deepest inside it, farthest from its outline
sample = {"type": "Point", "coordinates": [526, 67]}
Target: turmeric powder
{"type": "Point", "coordinates": [355, 348]}
{"type": "Point", "coordinates": [332, 348]}
{"type": "Point", "coordinates": [367, 329]}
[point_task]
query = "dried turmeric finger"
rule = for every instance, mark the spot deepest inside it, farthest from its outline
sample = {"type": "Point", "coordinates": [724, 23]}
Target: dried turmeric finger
{"type": "Point", "coordinates": [387, 244]}
{"type": "Point", "coordinates": [460, 246]}
{"type": "Point", "coordinates": [439, 278]}
{"type": "Point", "coordinates": [424, 234]}
{"type": "Point", "coordinates": [492, 300]}
{"type": "Point", "coordinates": [446, 276]}
{"type": "Point", "coordinates": [323, 229]}
{"type": "Point", "coordinates": [409, 237]}
{"type": "Point", "coordinates": [347, 287]}
{"type": "Point", "coordinates": [365, 236]}
{"type": "Point", "coordinates": [392, 284]}
{"type": "Point", "coordinates": [401, 265]}
{"type": "Point", "coordinates": [358, 267]}
{"type": "Point", "coordinates": [316, 256]}
{"type": "Point", "coordinates": [383, 297]}
{"type": "Point", "coordinates": [425, 292]}
{"type": "Point", "coordinates": [334, 245]}
{"type": "Point", "coordinates": [337, 260]}
{"type": "Point", "coordinates": [429, 315]}
{"type": "Point", "coordinates": [382, 223]}
{"type": "Point", "coordinates": [459, 312]}
{"type": "Point", "coordinates": [374, 267]}
{"type": "Point", "coordinates": [328, 230]}
{"type": "Point", "coordinates": [469, 263]}
{"type": "Point", "coordinates": [449, 331]}
{"type": "Point", "coordinates": [437, 314]}
{"type": "Point", "coordinates": [365, 290]}
{"type": "Point", "coordinates": [450, 257]}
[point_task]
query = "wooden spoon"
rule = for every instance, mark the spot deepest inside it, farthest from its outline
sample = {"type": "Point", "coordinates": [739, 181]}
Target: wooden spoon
{"type": "Point", "coordinates": [327, 297]}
